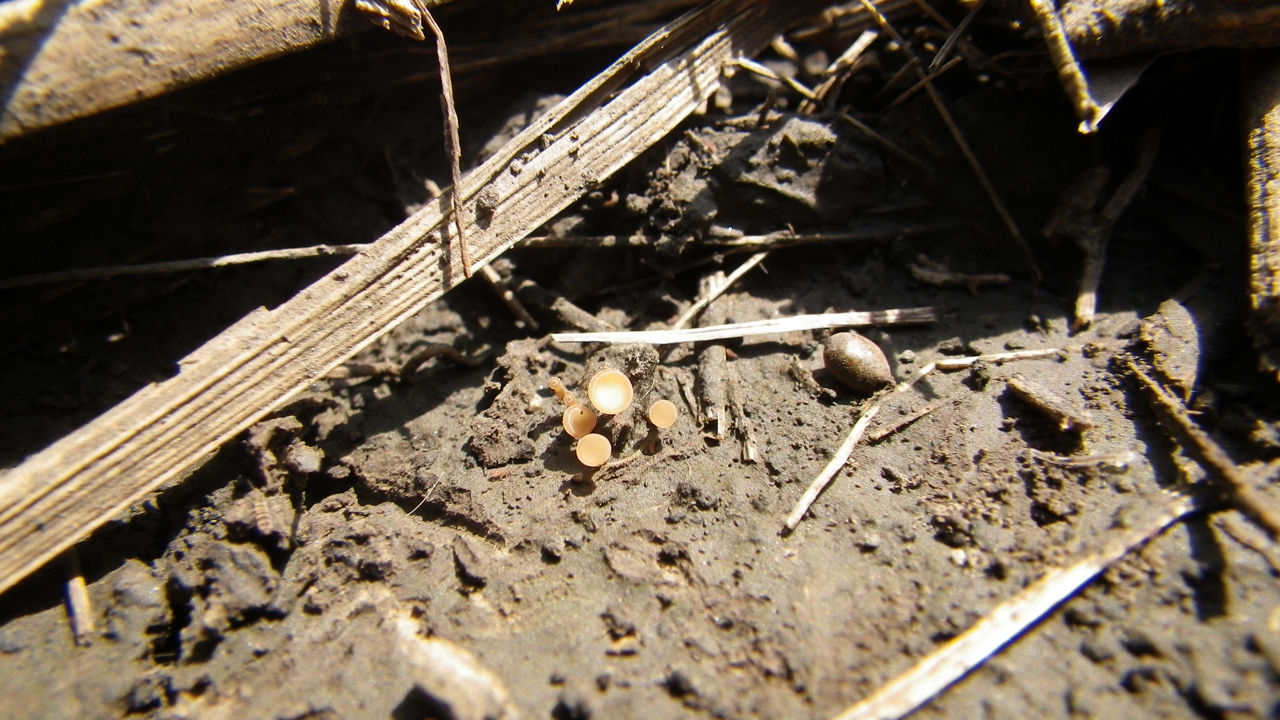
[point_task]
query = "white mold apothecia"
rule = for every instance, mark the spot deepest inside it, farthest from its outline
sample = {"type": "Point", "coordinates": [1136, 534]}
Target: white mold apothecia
{"type": "Point", "coordinates": [663, 414]}
{"type": "Point", "coordinates": [578, 420]}
{"type": "Point", "coordinates": [610, 392]}
{"type": "Point", "coordinates": [593, 450]}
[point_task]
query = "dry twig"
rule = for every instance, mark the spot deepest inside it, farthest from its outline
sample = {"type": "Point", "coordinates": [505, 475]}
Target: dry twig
{"type": "Point", "coordinates": [1059, 409]}
{"type": "Point", "coordinates": [956, 33]}
{"type": "Point", "coordinates": [884, 432]}
{"type": "Point", "coordinates": [159, 268]}
{"type": "Point", "coordinates": [508, 298]}
{"type": "Point", "coordinates": [838, 72]}
{"type": "Point", "coordinates": [711, 382]}
{"type": "Point", "coordinates": [738, 243]}
{"type": "Point", "coordinates": [749, 450]}
{"type": "Point", "coordinates": [558, 306]}
{"type": "Point", "coordinates": [1070, 73]}
{"type": "Point", "coordinates": [931, 272]}
{"type": "Point", "coordinates": [884, 142]}
{"type": "Point", "coordinates": [79, 609]}
{"type": "Point", "coordinates": [765, 72]}
{"type": "Point", "coordinates": [1095, 235]}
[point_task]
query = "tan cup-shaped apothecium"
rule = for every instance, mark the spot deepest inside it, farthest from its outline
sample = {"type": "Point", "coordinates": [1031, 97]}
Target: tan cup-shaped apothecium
{"type": "Point", "coordinates": [593, 450]}
{"type": "Point", "coordinates": [578, 420]}
{"type": "Point", "coordinates": [610, 392]}
{"type": "Point", "coordinates": [663, 414]}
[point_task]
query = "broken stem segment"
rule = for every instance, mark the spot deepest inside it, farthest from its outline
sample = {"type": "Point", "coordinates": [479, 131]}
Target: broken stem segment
{"type": "Point", "coordinates": [1095, 238]}
{"type": "Point", "coordinates": [79, 609]}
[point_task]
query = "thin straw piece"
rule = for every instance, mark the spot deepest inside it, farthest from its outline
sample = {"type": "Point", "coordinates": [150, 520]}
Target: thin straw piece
{"type": "Point", "coordinates": [837, 462]}
{"type": "Point", "coordinates": [451, 142]}
{"type": "Point", "coordinates": [719, 290]}
{"type": "Point", "coordinates": [952, 661]}
{"type": "Point", "coordinates": [901, 316]}
{"type": "Point", "coordinates": [156, 268]}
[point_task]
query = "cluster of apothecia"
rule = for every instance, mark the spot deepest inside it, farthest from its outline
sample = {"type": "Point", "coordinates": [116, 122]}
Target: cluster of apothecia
{"type": "Point", "coordinates": [609, 392]}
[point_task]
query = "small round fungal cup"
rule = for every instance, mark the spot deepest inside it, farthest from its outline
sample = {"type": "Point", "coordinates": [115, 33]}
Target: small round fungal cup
{"type": "Point", "coordinates": [578, 420]}
{"type": "Point", "coordinates": [662, 413]}
{"type": "Point", "coordinates": [593, 450]}
{"type": "Point", "coordinates": [610, 391]}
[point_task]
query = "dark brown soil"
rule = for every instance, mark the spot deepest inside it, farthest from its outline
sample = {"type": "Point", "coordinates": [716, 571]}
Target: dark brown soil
{"type": "Point", "coordinates": [431, 547]}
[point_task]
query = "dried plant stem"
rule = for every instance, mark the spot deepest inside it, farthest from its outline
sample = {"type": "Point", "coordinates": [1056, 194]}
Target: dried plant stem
{"type": "Point", "coordinates": [1243, 489]}
{"type": "Point", "coordinates": [884, 432]}
{"type": "Point", "coordinates": [884, 142]}
{"type": "Point", "coordinates": [1003, 624]}
{"type": "Point", "coordinates": [903, 316]}
{"type": "Point", "coordinates": [172, 266]}
{"type": "Point", "coordinates": [1095, 238]}
{"type": "Point", "coordinates": [749, 449]}
{"type": "Point", "coordinates": [773, 240]}
{"type": "Point", "coordinates": [1070, 74]}
{"type": "Point", "coordinates": [959, 363]}
{"type": "Point", "coordinates": [834, 77]}
{"type": "Point", "coordinates": [783, 238]}
{"type": "Point", "coordinates": [718, 289]}
{"type": "Point", "coordinates": [764, 72]}
{"type": "Point", "coordinates": [558, 306]}
{"type": "Point", "coordinates": [927, 79]}
{"type": "Point", "coordinates": [453, 145]}
{"type": "Point", "coordinates": [958, 32]}
{"type": "Point", "coordinates": [1066, 414]}
{"type": "Point", "coordinates": [711, 382]}
{"type": "Point", "coordinates": [934, 273]}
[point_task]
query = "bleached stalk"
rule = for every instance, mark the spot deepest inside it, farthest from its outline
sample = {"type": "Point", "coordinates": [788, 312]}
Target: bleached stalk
{"type": "Point", "coordinates": [905, 316]}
